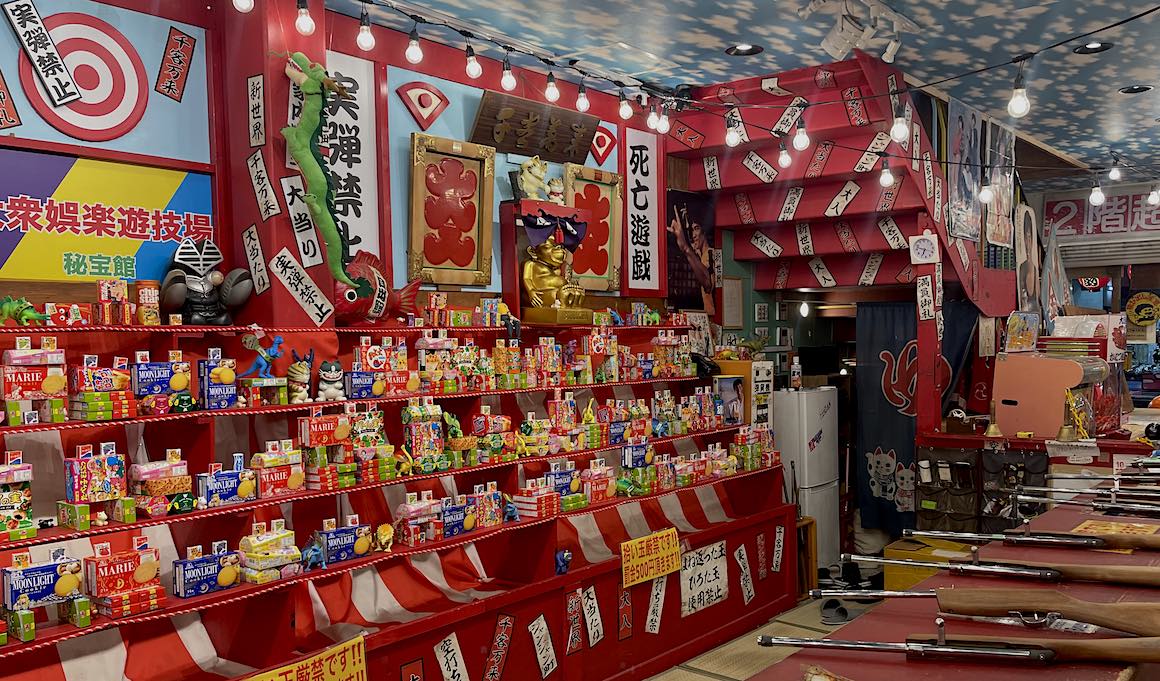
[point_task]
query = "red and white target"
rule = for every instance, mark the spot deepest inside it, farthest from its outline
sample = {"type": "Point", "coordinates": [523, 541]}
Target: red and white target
{"type": "Point", "coordinates": [108, 73]}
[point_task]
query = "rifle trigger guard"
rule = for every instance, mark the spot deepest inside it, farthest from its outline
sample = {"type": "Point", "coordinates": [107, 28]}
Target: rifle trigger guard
{"type": "Point", "coordinates": [1036, 620]}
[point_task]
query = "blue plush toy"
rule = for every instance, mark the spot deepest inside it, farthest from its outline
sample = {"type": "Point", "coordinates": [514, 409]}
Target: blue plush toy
{"type": "Point", "coordinates": [511, 514]}
{"type": "Point", "coordinates": [313, 556]}
{"type": "Point", "coordinates": [563, 560]}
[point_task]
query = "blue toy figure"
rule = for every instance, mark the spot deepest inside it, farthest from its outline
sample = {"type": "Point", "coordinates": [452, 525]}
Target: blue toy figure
{"type": "Point", "coordinates": [265, 359]}
{"type": "Point", "coordinates": [617, 320]}
{"type": "Point", "coordinates": [511, 514]}
{"type": "Point", "coordinates": [563, 560]}
{"type": "Point", "coordinates": [313, 556]}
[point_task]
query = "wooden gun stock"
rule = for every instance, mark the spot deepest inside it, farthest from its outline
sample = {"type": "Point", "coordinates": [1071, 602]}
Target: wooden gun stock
{"type": "Point", "coordinates": [1146, 542]}
{"type": "Point", "coordinates": [1132, 650]}
{"type": "Point", "coordinates": [1142, 619]}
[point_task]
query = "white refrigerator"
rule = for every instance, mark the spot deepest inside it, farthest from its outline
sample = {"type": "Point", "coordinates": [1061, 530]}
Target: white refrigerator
{"type": "Point", "coordinates": [805, 428]}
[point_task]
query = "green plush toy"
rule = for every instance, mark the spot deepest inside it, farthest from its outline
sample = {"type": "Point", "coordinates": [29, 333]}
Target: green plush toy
{"type": "Point", "coordinates": [302, 143]}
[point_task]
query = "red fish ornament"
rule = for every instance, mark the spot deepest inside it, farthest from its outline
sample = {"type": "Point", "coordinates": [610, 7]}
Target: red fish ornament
{"type": "Point", "coordinates": [382, 303]}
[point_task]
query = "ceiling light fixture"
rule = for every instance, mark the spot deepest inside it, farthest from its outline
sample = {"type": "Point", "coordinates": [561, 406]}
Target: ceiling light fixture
{"type": "Point", "coordinates": [1093, 47]}
{"type": "Point", "coordinates": [744, 50]}
{"type": "Point", "coordinates": [473, 68]}
{"type": "Point", "coordinates": [551, 92]}
{"type": "Point", "coordinates": [891, 50]}
{"type": "Point", "coordinates": [625, 110]}
{"type": "Point", "coordinates": [783, 157]}
{"type": "Point", "coordinates": [414, 52]}
{"type": "Point", "coordinates": [986, 193]}
{"type": "Point", "coordinates": [582, 102]}
{"type": "Point", "coordinates": [304, 23]}
{"type": "Point", "coordinates": [732, 137]}
{"type": "Point", "coordinates": [1096, 198]}
{"type": "Point", "coordinates": [886, 179]}
{"type": "Point", "coordinates": [804, 309]}
{"type": "Point", "coordinates": [1115, 174]}
{"type": "Point", "coordinates": [652, 119]}
{"type": "Point", "coordinates": [899, 131]}
{"type": "Point", "coordinates": [1154, 196]}
{"type": "Point", "coordinates": [801, 139]}
{"type": "Point", "coordinates": [1135, 89]}
{"type": "Point", "coordinates": [244, 6]}
{"type": "Point", "coordinates": [1019, 105]}
{"type": "Point", "coordinates": [507, 81]}
{"type": "Point", "coordinates": [663, 123]}
{"type": "Point", "coordinates": [365, 39]}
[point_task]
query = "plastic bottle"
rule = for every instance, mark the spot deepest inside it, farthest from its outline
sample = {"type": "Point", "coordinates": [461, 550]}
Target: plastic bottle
{"type": "Point", "coordinates": [795, 375]}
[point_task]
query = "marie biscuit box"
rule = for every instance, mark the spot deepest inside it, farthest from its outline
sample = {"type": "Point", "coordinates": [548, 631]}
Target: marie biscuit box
{"type": "Point", "coordinates": [34, 382]}
{"type": "Point", "coordinates": [122, 572]}
{"type": "Point", "coordinates": [41, 584]}
{"type": "Point", "coordinates": [280, 481]}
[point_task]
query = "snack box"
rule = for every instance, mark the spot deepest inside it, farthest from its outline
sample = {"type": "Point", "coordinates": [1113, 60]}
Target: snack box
{"type": "Point", "coordinates": [76, 516]}
{"type": "Point", "coordinates": [78, 611]}
{"type": "Point", "coordinates": [162, 486]}
{"type": "Point", "coordinates": [22, 625]}
{"type": "Point", "coordinates": [123, 510]}
{"type": "Point", "coordinates": [161, 505]}
{"type": "Point", "coordinates": [116, 398]}
{"type": "Point", "coordinates": [363, 385]}
{"type": "Point", "coordinates": [217, 386]}
{"type": "Point", "coordinates": [117, 612]}
{"type": "Point", "coordinates": [18, 472]}
{"type": "Point", "coordinates": [280, 481]}
{"type": "Point", "coordinates": [227, 487]}
{"type": "Point", "coordinates": [158, 469]}
{"type": "Point", "coordinates": [122, 572]}
{"type": "Point", "coordinates": [344, 543]}
{"type": "Point", "coordinates": [98, 478]}
{"type": "Point", "coordinates": [215, 572]}
{"type": "Point", "coordinates": [326, 430]}
{"type": "Point", "coordinates": [146, 594]}
{"type": "Point", "coordinates": [84, 379]}
{"type": "Point", "coordinates": [34, 383]}
{"type": "Point", "coordinates": [275, 558]}
{"type": "Point", "coordinates": [458, 519]}
{"type": "Point", "coordinates": [158, 378]}
{"type": "Point", "coordinates": [252, 576]}
{"type": "Point", "coordinates": [266, 541]}
{"type": "Point", "coordinates": [31, 357]}
{"type": "Point", "coordinates": [269, 459]}
{"type": "Point", "coordinates": [41, 584]}
{"type": "Point", "coordinates": [51, 411]}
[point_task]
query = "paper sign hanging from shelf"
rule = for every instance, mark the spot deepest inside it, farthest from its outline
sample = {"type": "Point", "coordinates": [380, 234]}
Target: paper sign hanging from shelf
{"type": "Point", "coordinates": [301, 286]}
{"type": "Point", "coordinates": [573, 608]}
{"type": "Point", "coordinates": [592, 619]}
{"type": "Point", "coordinates": [624, 616]}
{"type": "Point", "coordinates": [762, 570]}
{"type": "Point", "coordinates": [656, 605]}
{"type": "Point", "coordinates": [704, 578]}
{"type": "Point", "coordinates": [500, 643]}
{"type": "Point", "coordinates": [778, 548]}
{"type": "Point", "coordinates": [747, 591]}
{"type": "Point", "coordinates": [450, 659]}
{"type": "Point", "coordinates": [542, 644]}
{"type": "Point", "coordinates": [712, 172]}
{"type": "Point", "coordinates": [256, 259]}
{"type": "Point", "coordinates": [789, 207]}
{"type": "Point", "coordinates": [805, 240]}
{"type": "Point", "coordinates": [766, 245]}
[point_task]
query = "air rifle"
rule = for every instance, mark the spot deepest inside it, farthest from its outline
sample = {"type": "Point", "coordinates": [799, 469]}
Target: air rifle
{"type": "Point", "coordinates": [1136, 510]}
{"type": "Point", "coordinates": [1143, 495]}
{"type": "Point", "coordinates": [1043, 608]}
{"type": "Point", "coordinates": [1038, 651]}
{"type": "Point", "coordinates": [1148, 542]}
{"type": "Point", "coordinates": [1135, 575]}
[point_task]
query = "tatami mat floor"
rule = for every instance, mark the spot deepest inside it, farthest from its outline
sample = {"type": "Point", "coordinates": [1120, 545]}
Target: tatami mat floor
{"type": "Point", "coordinates": [741, 658]}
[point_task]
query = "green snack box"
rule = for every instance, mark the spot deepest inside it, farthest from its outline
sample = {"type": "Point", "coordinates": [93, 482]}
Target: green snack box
{"type": "Point", "coordinates": [22, 625]}
{"type": "Point", "coordinates": [123, 510]}
{"type": "Point", "coordinates": [76, 516]}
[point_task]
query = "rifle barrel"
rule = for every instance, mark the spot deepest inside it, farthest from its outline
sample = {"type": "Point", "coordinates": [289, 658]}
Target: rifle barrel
{"type": "Point", "coordinates": [868, 593]}
{"type": "Point", "coordinates": [1044, 573]}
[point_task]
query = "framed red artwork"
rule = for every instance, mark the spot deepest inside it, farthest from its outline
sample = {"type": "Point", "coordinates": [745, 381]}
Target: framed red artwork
{"type": "Point", "coordinates": [596, 262]}
{"type": "Point", "coordinates": [452, 186]}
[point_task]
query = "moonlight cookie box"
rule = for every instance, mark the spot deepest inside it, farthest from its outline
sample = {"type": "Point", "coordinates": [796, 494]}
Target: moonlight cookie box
{"type": "Point", "coordinates": [36, 586]}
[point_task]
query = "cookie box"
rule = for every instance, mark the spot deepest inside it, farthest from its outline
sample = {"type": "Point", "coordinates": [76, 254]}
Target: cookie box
{"type": "Point", "coordinates": [34, 383]}
{"type": "Point", "coordinates": [41, 584]}
{"type": "Point", "coordinates": [98, 379]}
{"type": "Point", "coordinates": [344, 543]}
{"type": "Point", "coordinates": [217, 386]}
{"type": "Point", "coordinates": [22, 625]}
{"type": "Point", "coordinates": [227, 487]}
{"type": "Point", "coordinates": [117, 612]}
{"type": "Point", "coordinates": [76, 516]}
{"type": "Point", "coordinates": [77, 611]}
{"type": "Point", "coordinates": [30, 357]}
{"type": "Point", "coordinates": [252, 576]}
{"type": "Point", "coordinates": [266, 541]}
{"type": "Point", "coordinates": [270, 459]}
{"type": "Point", "coordinates": [158, 469]}
{"type": "Point", "coordinates": [146, 594]}
{"type": "Point", "coordinates": [280, 481]}
{"type": "Point", "coordinates": [163, 486]}
{"type": "Point", "coordinates": [157, 378]}
{"type": "Point", "coordinates": [326, 430]}
{"type": "Point", "coordinates": [122, 572]}
{"type": "Point", "coordinates": [205, 574]}
{"type": "Point", "coordinates": [97, 478]}
{"type": "Point", "coordinates": [275, 558]}
{"type": "Point", "coordinates": [18, 472]}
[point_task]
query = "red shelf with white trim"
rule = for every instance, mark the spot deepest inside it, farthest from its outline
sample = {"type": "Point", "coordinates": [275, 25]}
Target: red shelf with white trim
{"type": "Point", "coordinates": [58, 534]}
{"type": "Point", "coordinates": [307, 406]}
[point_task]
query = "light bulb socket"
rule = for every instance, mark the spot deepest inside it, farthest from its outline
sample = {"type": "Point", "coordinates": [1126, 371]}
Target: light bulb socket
{"type": "Point", "coordinates": [302, 4]}
{"type": "Point", "coordinates": [781, 146]}
{"type": "Point", "coordinates": [507, 65]}
{"type": "Point", "coordinates": [365, 18]}
{"type": "Point", "coordinates": [1019, 83]}
{"type": "Point", "coordinates": [469, 52]}
{"type": "Point", "coordinates": [551, 78]}
{"type": "Point", "coordinates": [582, 91]}
{"type": "Point", "coordinates": [622, 97]}
{"type": "Point", "coordinates": [801, 123]}
{"type": "Point", "coordinates": [413, 36]}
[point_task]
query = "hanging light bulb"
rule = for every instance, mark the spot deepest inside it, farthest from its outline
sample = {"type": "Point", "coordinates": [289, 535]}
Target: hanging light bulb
{"type": "Point", "coordinates": [804, 309]}
{"type": "Point", "coordinates": [986, 193]}
{"type": "Point", "coordinates": [244, 6]}
{"type": "Point", "coordinates": [625, 110]}
{"type": "Point", "coordinates": [783, 157]}
{"type": "Point", "coordinates": [414, 53]}
{"type": "Point", "coordinates": [1097, 197]}
{"type": "Point", "coordinates": [801, 140]}
{"type": "Point", "coordinates": [843, 372]}
{"type": "Point", "coordinates": [663, 124]}
{"type": "Point", "coordinates": [473, 68]}
{"type": "Point", "coordinates": [900, 131]}
{"type": "Point", "coordinates": [732, 137]}
{"type": "Point", "coordinates": [365, 39]}
{"type": "Point", "coordinates": [1154, 197]}
{"type": "Point", "coordinates": [551, 92]}
{"type": "Point", "coordinates": [1114, 174]}
{"type": "Point", "coordinates": [582, 102]}
{"type": "Point", "coordinates": [652, 119]}
{"type": "Point", "coordinates": [304, 23]}
{"type": "Point", "coordinates": [1019, 104]}
{"type": "Point", "coordinates": [507, 81]}
{"type": "Point", "coordinates": [886, 179]}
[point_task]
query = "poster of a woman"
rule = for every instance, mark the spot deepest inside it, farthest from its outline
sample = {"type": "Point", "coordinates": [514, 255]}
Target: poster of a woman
{"type": "Point", "coordinates": [963, 171]}
{"type": "Point", "coordinates": [1027, 256]}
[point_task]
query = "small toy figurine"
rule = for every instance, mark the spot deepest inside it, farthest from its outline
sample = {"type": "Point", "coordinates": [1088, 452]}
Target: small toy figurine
{"type": "Point", "coordinates": [652, 318]}
{"type": "Point", "coordinates": [20, 311]}
{"type": "Point", "coordinates": [509, 321]}
{"type": "Point", "coordinates": [544, 276]}
{"type": "Point", "coordinates": [330, 388]}
{"type": "Point", "coordinates": [532, 173]}
{"type": "Point", "coordinates": [454, 429]}
{"type": "Point", "coordinates": [563, 560]}
{"type": "Point", "coordinates": [298, 377]}
{"type": "Point", "coordinates": [351, 308]}
{"type": "Point", "coordinates": [511, 514]}
{"type": "Point", "coordinates": [265, 359]}
{"type": "Point", "coordinates": [406, 463]}
{"type": "Point", "coordinates": [570, 353]}
{"type": "Point", "coordinates": [201, 293]}
{"type": "Point", "coordinates": [556, 191]}
{"type": "Point", "coordinates": [101, 519]}
{"type": "Point", "coordinates": [384, 537]}
{"type": "Point", "coordinates": [617, 320]}
{"type": "Point", "coordinates": [313, 556]}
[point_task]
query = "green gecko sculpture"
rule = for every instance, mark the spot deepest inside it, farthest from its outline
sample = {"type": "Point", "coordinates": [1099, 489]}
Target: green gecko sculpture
{"type": "Point", "coordinates": [302, 143]}
{"type": "Point", "coordinates": [20, 311]}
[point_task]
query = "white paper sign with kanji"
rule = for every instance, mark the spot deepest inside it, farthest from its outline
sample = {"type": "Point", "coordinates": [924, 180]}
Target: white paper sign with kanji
{"type": "Point", "coordinates": [842, 199]}
{"type": "Point", "coordinates": [256, 259]}
{"type": "Point", "coordinates": [822, 273]}
{"type": "Point", "coordinates": [542, 644]}
{"type": "Point", "coordinates": [925, 292]}
{"type": "Point", "coordinates": [712, 172]}
{"type": "Point", "coordinates": [805, 239]}
{"type": "Point", "coordinates": [644, 228]}
{"type": "Point", "coordinates": [892, 233]}
{"type": "Point", "coordinates": [789, 207]}
{"type": "Point", "coordinates": [300, 221]}
{"type": "Point", "coordinates": [747, 592]}
{"type": "Point", "coordinates": [264, 194]}
{"type": "Point", "coordinates": [592, 619]}
{"type": "Point", "coordinates": [734, 121]}
{"type": "Point", "coordinates": [790, 116]}
{"type": "Point", "coordinates": [870, 269]}
{"type": "Point", "coordinates": [778, 548]}
{"type": "Point", "coordinates": [288, 271]}
{"type": "Point", "coordinates": [43, 56]}
{"type": "Point", "coordinates": [450, 659]}
{"type": "Point", "coordinates": [256, 109]}
{"type": "Point", "coordinates": [351, 132]}
{"type": "Point", "coordinates": [761, 168]}
{"type": "Point", "coordinates": [656, 605]}
{"type": "Point", "coordinates": [704, 578]}
{"type": "Point", "coordinates": [870, 157]}
{"type": "Point", "coordinates": [766, 245]}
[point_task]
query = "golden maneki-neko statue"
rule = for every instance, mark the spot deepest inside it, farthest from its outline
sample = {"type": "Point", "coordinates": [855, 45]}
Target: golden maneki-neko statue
{"type": "Point", "coordinates": [550, 296]}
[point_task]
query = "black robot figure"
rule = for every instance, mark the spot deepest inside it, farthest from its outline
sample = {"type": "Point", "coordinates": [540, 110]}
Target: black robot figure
{"type": "Point", "coordinates": [202, 294]}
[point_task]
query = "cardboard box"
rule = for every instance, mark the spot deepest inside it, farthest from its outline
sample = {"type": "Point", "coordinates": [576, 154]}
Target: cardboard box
{"type": "Point", "coordinates": [900, 578]}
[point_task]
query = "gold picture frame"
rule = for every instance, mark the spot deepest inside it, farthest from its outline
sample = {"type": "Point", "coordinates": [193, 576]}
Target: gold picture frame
{"type": "Point", "coordinates": [449, 178]}
{"type": "Point", "coordinates": [608, 187]}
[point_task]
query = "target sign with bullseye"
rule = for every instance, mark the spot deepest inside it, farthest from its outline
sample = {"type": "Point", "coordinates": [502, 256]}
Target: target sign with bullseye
{"type": "Point", "coordinates": [107, 71]}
